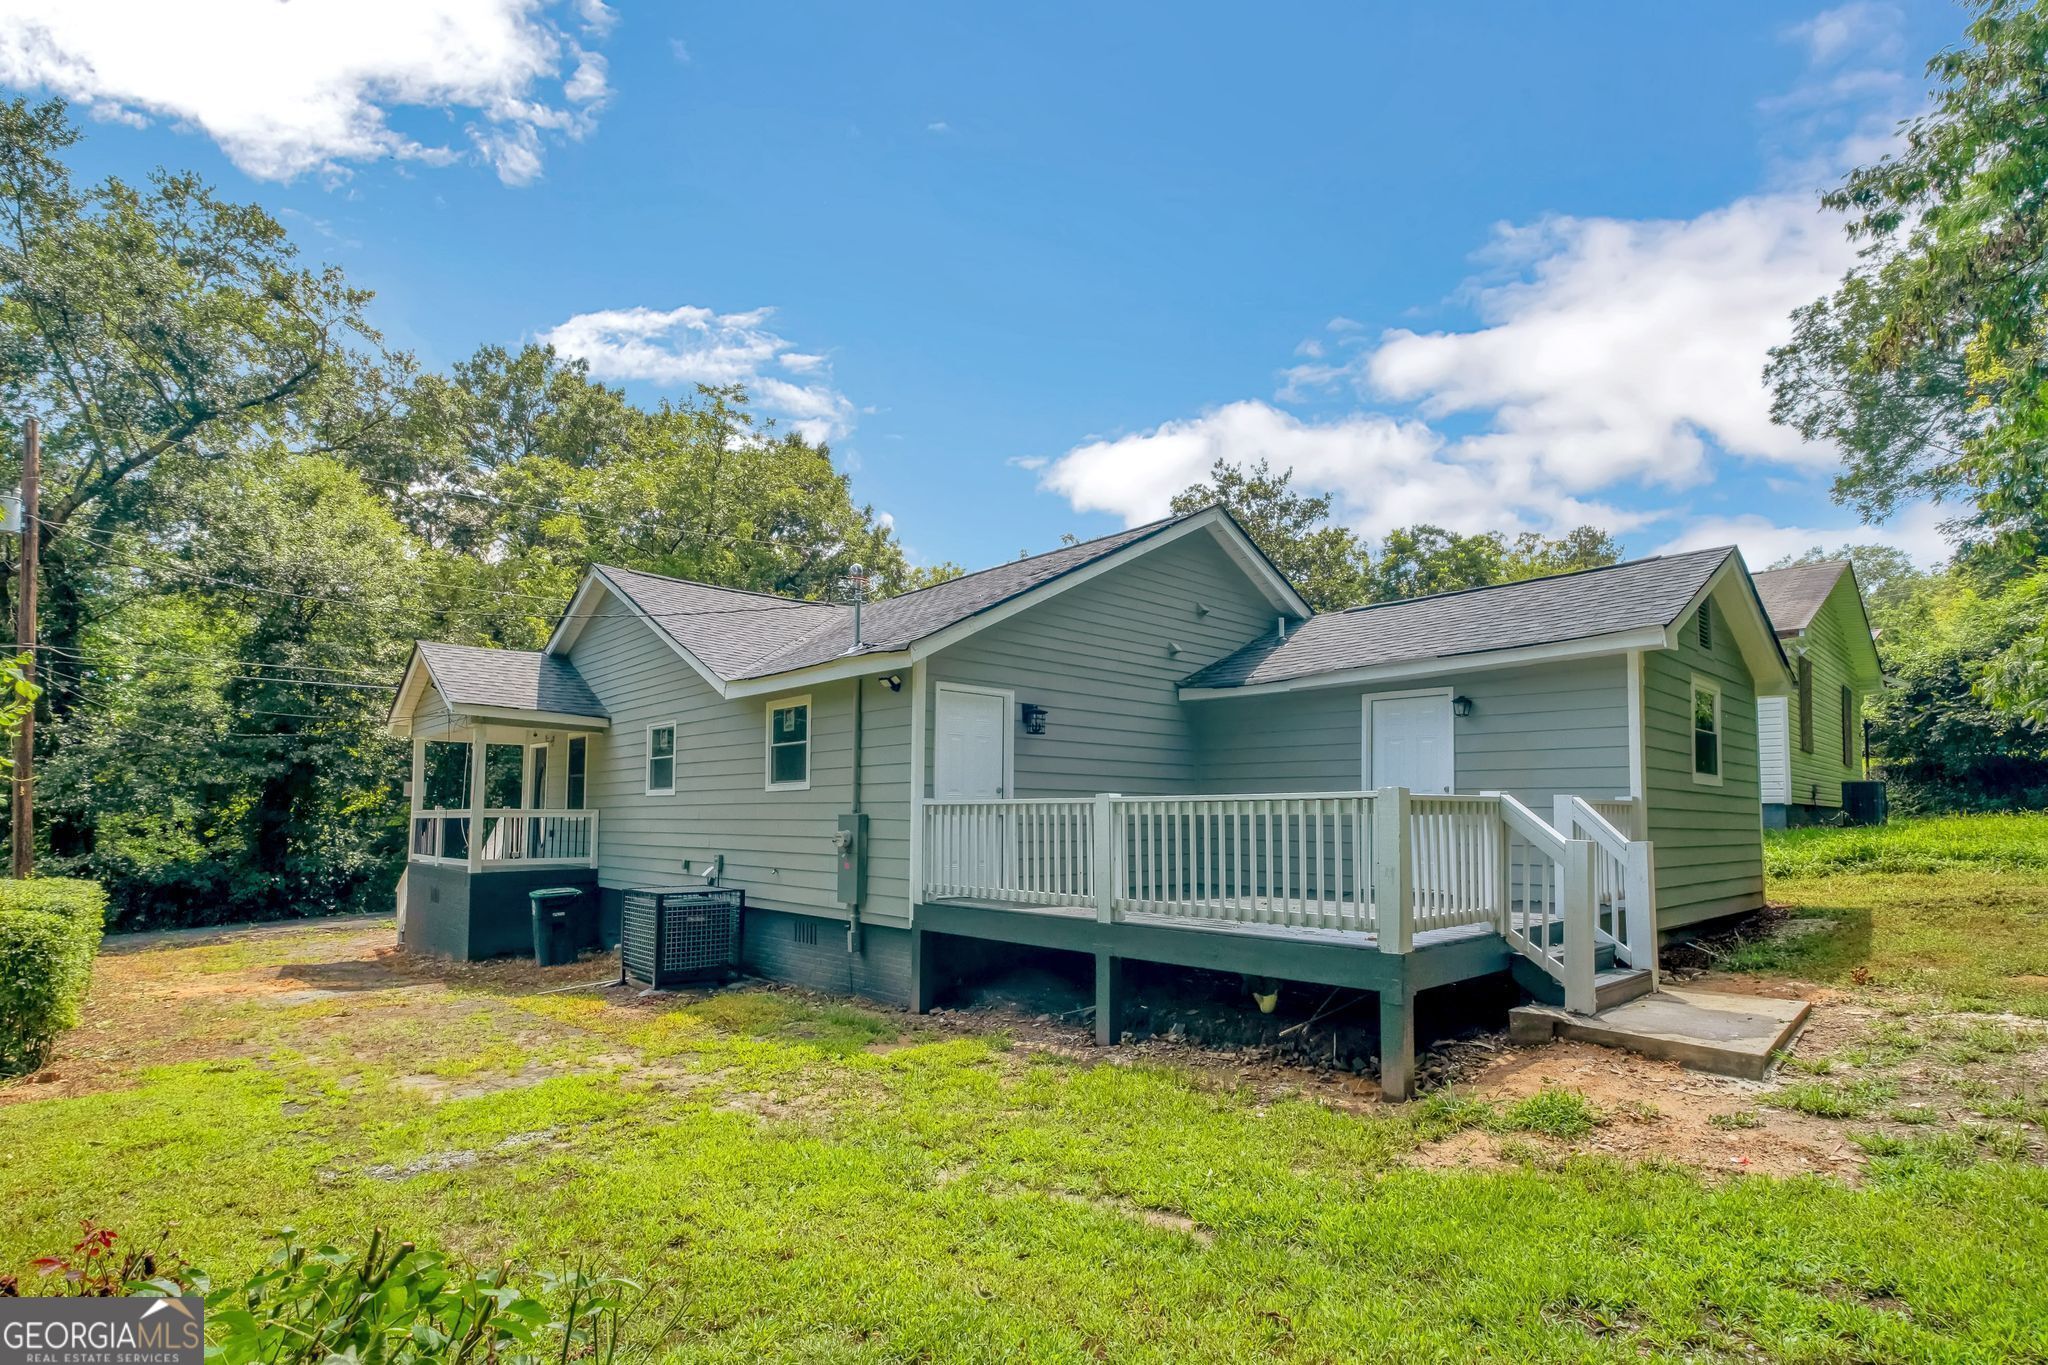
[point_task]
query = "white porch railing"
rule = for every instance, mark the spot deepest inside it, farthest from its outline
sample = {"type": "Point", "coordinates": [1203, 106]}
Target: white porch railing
{"type": "Point", "coordinates": [1383, 863]}
{"type": "Point", "coordinates": [511, 838]}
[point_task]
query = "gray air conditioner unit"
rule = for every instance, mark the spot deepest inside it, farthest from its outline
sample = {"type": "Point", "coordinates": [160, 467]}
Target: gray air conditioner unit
{"type": "Point", "coordinates": [667, 937]}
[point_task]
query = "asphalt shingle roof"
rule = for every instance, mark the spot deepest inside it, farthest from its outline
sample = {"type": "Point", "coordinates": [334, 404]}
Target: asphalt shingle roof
{"type": "Point", "coordinates": [1536, 611]}
{"type": "Point", "coordinates": [516, 678]}
{"type": "Point", "coordinates": [754, 635]}
{"type": "Point", "coordinates": [1794, 596]}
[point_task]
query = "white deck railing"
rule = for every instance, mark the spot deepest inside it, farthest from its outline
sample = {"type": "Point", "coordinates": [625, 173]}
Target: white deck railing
{"type": "Point", "coordinates": [1385, 864]}
{"type": "Point", "coordinates": [511, 838]}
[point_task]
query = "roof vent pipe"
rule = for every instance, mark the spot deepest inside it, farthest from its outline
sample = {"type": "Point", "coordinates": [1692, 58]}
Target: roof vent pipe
{"type": "Point", "coordinates": [857, 580]}
{"type": "Point", "coordinates": [1280, 626]}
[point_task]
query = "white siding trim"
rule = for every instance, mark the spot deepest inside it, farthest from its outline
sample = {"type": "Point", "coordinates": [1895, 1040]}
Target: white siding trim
{"type": "Point", "coordinates": [919, 703]}
{"type": "Point", "coordinates": [1637, 785]}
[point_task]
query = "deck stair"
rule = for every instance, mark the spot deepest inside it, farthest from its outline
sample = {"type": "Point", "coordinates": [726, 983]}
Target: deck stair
{"type": "Point", "coordinates": [1729, 1035]}
{"type": "Point", "coordinates": [1612, 985]}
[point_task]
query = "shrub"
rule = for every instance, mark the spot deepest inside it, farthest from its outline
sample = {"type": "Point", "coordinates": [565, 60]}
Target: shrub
{"type": "Point", "coordinates": [49, 931]}
{"type": "Point", "coordinates": [391, 1302]}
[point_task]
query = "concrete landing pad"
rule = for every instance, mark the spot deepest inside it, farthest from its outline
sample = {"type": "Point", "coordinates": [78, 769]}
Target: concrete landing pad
{"type": "Point", "coordinates": [1729, 1035]}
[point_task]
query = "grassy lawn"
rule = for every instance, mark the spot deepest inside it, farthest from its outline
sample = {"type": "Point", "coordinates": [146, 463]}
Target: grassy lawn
{"type": "Point", "coordinates": [811, 1180]}
{"type": "Point", "coordinates": [1953, 909]}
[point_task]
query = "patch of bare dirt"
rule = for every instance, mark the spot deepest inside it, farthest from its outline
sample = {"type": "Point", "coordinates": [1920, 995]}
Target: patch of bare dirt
{"type": "Point", "coordinates": [1650, 1109]}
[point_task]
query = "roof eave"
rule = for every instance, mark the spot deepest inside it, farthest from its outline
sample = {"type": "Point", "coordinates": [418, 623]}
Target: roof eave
{"type": "Point", "coordinates": [1591, 646]}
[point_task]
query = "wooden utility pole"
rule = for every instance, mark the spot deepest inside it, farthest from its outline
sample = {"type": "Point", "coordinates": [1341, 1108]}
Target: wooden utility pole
{"type": "Point", "coordinates": [24, 813]}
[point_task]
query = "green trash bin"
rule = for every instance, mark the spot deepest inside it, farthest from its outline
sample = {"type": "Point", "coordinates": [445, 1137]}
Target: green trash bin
{"type": "Point", "coordinates": [556, 925]}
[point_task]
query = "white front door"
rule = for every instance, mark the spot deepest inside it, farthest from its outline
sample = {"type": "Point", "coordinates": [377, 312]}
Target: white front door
{"type": "Point", "coordinates": [969, 759]}
{"type": "Point", "coordinates": [1411, 742]}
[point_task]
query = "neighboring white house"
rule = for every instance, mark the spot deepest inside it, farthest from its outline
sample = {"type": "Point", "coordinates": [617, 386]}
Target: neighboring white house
{"type": "Point", "coordinates": [1143, 747]}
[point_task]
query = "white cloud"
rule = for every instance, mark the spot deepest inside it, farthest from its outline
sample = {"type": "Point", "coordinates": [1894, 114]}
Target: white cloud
{"type": "Point", "coordinates": [1858, 29]}
{"type": "Point", "coordinates": [1615, 349]}
{"type": "Point", "coordinates": [691, 345]}
{"type": "Point", "coordinates": [1383, 471]}
{"type": "Point", "coordinates": [939, 127]}
{"type": "Point", "coordinates": [1916, 530]}
{"type": "Point", "coordinates": [310, 86]}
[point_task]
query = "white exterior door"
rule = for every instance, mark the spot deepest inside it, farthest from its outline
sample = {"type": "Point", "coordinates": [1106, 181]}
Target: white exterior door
{"type": "Point", "coordinates": [1411, 742]}
{"type": "Point", "coordinates": [969, 762]}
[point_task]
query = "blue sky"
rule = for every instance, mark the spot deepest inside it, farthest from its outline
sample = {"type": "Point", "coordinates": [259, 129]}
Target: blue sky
{"type": "Point", "coordinates": [1495, 266]}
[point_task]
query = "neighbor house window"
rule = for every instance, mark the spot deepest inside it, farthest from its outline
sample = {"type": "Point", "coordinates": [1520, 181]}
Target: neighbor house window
{"type": "Point", "coordinates": [789, 743]}
{"type": "Point", "coordinates": [1706, 732]}
{"type": "Point", "coordinates": [1848, 728]}
{"type": "Point", "coordinates": [579, 761]}
{"type": "Point", "coordinates": [1805, 705]}
{"type": "Point", "coordinates": [661, 760]}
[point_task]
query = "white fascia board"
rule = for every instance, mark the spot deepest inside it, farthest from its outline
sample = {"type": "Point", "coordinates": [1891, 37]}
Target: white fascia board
{"type": "Point", "coordinates": [585, 602]}
{"type": "Point", "coordinates": [418, 672]}
{"type": "Point", "coordinates": [565, 720]}
{"type": "Point", "coordinates": [1769, 668]}
{"type": "Point", "coordinates": [1593, 646]}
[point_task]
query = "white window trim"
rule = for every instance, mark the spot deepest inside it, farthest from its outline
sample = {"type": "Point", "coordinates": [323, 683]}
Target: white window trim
{"type": "Point", "coordinates": [1365, 701]}
{"type": "Point", "coordinates": [1702, 683]}
{"type": "Point", "coordinates": [1009, 699]}
{"type": "Point", "coordinates": [768, 742]}
{"type": "Point", "coordinates": [647, 758]}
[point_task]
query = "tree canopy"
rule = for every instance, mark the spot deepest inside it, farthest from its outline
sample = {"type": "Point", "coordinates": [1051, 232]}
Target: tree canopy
{"type": "Point", "coordinates": [252, 507]}
{"type": "Point", "coordinates": [1333, 567]}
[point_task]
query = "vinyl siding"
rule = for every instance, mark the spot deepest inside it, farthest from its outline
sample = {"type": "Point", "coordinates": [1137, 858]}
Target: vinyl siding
{"type": "Point", "coordinates": [776, 844]}
{"type": "Point", "coordinates": [1097, 658]}
{"type": "Point", "coordinates": [1816, 778]}
{"type": "Point", "coordinates": [1534, 732]}
{"type": "Point", "coordinates": [1773, 743]}
{"type": "Point", "coordinates": [1709, 839]}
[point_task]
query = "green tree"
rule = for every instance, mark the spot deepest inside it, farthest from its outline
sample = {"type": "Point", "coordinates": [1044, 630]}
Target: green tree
{"type": "Point", "coordinates": [1414, 561]}
{"type": "Point", "coordinates": [1326, 563]}
{"type": "Point", "coordinates": [1928, 365]}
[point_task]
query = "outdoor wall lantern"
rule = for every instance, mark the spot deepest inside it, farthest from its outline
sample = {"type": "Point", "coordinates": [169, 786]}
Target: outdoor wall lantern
{"type": "Point", "coordinates": [1461, 706]}
{"type": "Point", "coordinates": [1033, 717]}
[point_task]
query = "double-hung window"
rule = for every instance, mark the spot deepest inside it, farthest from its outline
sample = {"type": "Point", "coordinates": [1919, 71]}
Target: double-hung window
{"type": "Point", "coordinates": [1706, 732]}
{"type": "Point", "coordinates": [789, 744]}
{"type": "Point", "coordinates": [661, 759]}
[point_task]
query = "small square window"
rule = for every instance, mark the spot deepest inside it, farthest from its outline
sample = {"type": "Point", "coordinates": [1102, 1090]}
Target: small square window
{"type": "Point", "coordinates": [789, 743]}
{"type": "Point", "coordinates": [1706, 732]}
{"type": "Point", "coordinates": [661, 760]}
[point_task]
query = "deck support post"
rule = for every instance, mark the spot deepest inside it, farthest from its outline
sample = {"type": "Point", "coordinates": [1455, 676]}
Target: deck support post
{"type": "Point", "coordinates": [1109, 999]}
{"type": "Point", "coordinates": [1397, 1042]}
{"type": "Point", "coordinates": [1393, 871]}
{"type": "Point", "coordinates": [924, 977]}
{"type": "Point", "coordinates": [1105, 867]}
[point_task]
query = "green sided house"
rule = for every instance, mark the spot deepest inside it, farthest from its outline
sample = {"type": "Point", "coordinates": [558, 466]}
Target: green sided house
{"type": "Point", "coordinates": [1142, 748]}
{"type": "Point", "coordinates": [1811, 742]}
